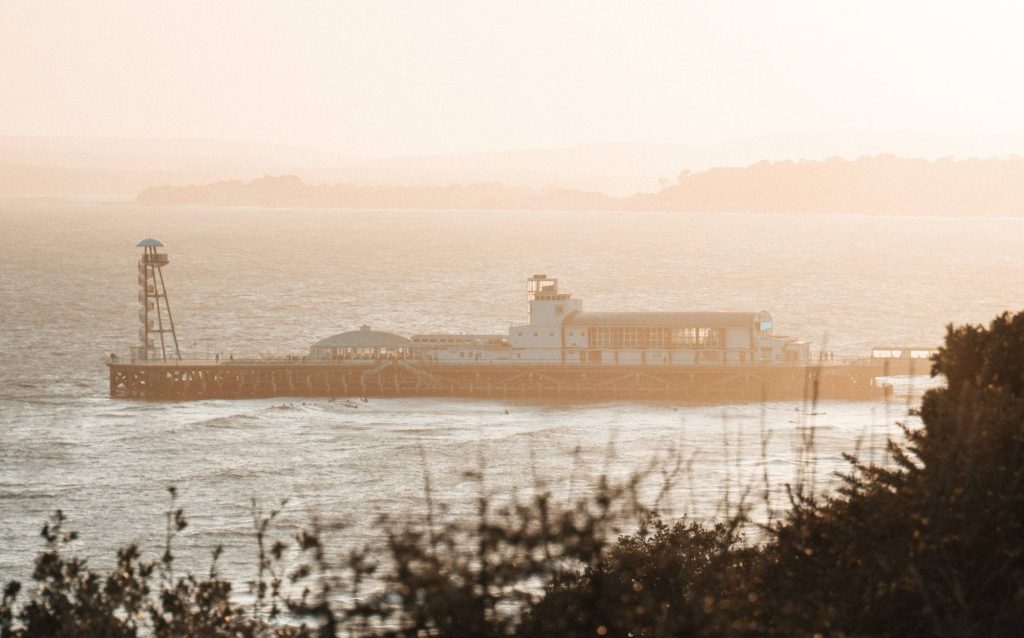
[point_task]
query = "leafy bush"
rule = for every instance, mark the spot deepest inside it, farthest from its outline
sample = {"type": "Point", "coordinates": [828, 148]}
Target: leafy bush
{"type": "Point", "coordinates": [932, 546]}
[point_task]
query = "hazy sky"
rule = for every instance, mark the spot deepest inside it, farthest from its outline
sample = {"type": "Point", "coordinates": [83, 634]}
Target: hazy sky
{"type": "Point", "coordinates": [383, 78]}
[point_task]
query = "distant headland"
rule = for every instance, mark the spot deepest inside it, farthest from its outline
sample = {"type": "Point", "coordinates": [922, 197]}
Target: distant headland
{"type": "Point", "coordinates": [288, 191]}
{"type": "Point", "coordinates": [883, 184]}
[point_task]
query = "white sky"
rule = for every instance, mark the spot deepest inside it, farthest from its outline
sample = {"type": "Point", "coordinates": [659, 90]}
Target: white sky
{"type": "Point", "coordinates": [384, 78]}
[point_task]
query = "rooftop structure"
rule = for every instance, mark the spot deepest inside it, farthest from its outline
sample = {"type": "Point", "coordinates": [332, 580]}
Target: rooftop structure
{"type": "Point", "coordinates": [361, 344]}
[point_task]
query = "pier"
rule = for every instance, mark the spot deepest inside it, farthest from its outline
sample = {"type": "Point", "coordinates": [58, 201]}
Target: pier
{"type": "Point", "coordinates": [561, 353]}
{"type": "Point", "coordinates": [291, 377]}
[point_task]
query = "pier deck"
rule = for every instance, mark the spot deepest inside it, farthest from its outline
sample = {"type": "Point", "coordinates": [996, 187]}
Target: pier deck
{"type": "Point", "coordinates": [237, 379]}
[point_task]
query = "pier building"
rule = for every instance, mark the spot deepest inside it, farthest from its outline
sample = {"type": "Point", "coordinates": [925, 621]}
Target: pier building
{"type": "Point", "coordinates": [558, 331]}
{"type": "Point", "coordinates": [361, 344]}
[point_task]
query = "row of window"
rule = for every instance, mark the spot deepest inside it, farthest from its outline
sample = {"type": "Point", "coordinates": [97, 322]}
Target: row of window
{"type": "Point", "coordinates": [656, 337]}
{"type": "Point", "coordinates": [704, 355]}
{"type": "Point", "coordinates": [419, 339]}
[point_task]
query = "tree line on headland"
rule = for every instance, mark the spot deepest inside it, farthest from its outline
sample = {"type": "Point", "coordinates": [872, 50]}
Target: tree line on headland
{"type": "Point", "coordinates": [931, 544]}
{"type": "Point", "coordinates": [883, 184]}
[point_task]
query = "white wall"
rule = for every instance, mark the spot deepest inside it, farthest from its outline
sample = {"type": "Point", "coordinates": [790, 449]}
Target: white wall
{"type": "Point", "coordinates": [576, 337]}
{"type": "Point", "coordinates": [545, 312]}
{"type": "Point", "coordinates": [530, 336]}
{"type": "Point", "coordinates": [737, 337]}
{"type": "Point", "coordinates": [469, 355]}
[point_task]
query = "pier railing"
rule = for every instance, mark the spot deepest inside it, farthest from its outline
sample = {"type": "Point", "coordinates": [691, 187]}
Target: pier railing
{"type": "Point", "coordinates": [263, 358]}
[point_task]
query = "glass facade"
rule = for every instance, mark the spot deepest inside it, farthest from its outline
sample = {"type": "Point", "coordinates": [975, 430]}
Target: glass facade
{"type": "Point", "coordinates": [602, 338]}
{"type": "Point", "coordinates": [630, 337]}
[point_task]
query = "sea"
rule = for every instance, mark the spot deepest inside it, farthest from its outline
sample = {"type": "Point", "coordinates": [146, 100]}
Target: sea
{"type": "Point", "coordinates": [249, 280]}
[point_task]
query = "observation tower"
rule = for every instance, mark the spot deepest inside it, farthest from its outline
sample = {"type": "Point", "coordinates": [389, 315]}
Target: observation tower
{"type": "Point", "coordinates": [153, 297]}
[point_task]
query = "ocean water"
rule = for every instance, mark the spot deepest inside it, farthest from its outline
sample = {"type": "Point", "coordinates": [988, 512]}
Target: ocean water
{"type": "Point", "coordinates": [252, 280]}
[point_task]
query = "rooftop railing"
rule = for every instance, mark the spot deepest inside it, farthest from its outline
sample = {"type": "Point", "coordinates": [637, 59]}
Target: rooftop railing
{"type": "Point", "coordinates": [159, 259]}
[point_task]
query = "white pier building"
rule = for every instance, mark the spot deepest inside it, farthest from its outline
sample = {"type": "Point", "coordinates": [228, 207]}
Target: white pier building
{"type": "Point", "coordinates": [558, 331]}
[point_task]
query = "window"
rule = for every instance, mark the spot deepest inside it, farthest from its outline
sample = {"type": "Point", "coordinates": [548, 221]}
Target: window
{"type": "Point", "coordinates": [657, 337]}
{"type": "Point", "coordinates": [630, 337]}
{"type": "Point", "coordinates": [710, 337]}
{"type": "Point", "coordinates": [684, 337]}
{"type": "Point", "coordinates": [559, 309]}
{"type": "Point", "coordinates": [601, 338]}
{"type": "Point", "coordinates": [698, 337]}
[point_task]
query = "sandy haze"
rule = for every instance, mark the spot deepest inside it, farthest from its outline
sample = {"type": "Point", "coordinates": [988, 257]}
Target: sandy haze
{"type": "Point", "coordinates": [107, 98]}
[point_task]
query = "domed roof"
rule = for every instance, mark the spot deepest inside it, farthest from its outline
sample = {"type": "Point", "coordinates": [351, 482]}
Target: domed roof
{"type": "Point", "coordinates": [364, 338]}
{"type": "Point", "coordinates": [146, 243]}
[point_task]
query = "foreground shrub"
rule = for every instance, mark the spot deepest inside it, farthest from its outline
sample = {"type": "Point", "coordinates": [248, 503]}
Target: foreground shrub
{"type": "Point", "coordinates": [932, 546]}
{"type": "Point", "coordinates": [661, 581]}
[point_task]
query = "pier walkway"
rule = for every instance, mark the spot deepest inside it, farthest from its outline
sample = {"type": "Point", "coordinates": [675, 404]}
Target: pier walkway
{"type": "Point", "coordinates": [294, 376]}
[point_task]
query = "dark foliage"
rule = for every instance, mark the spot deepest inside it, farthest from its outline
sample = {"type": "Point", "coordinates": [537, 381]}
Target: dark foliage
{"type": "Point", "coordinates": [661, 581]}
{"type": "Point", "coordinates": [932, 546]}
{"type": "Point", "coordinates": [929, 546]}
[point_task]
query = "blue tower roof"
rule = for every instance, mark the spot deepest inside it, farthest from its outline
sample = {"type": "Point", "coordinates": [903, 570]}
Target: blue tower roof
{"type": "Point", "coordinates": [145, 243]}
